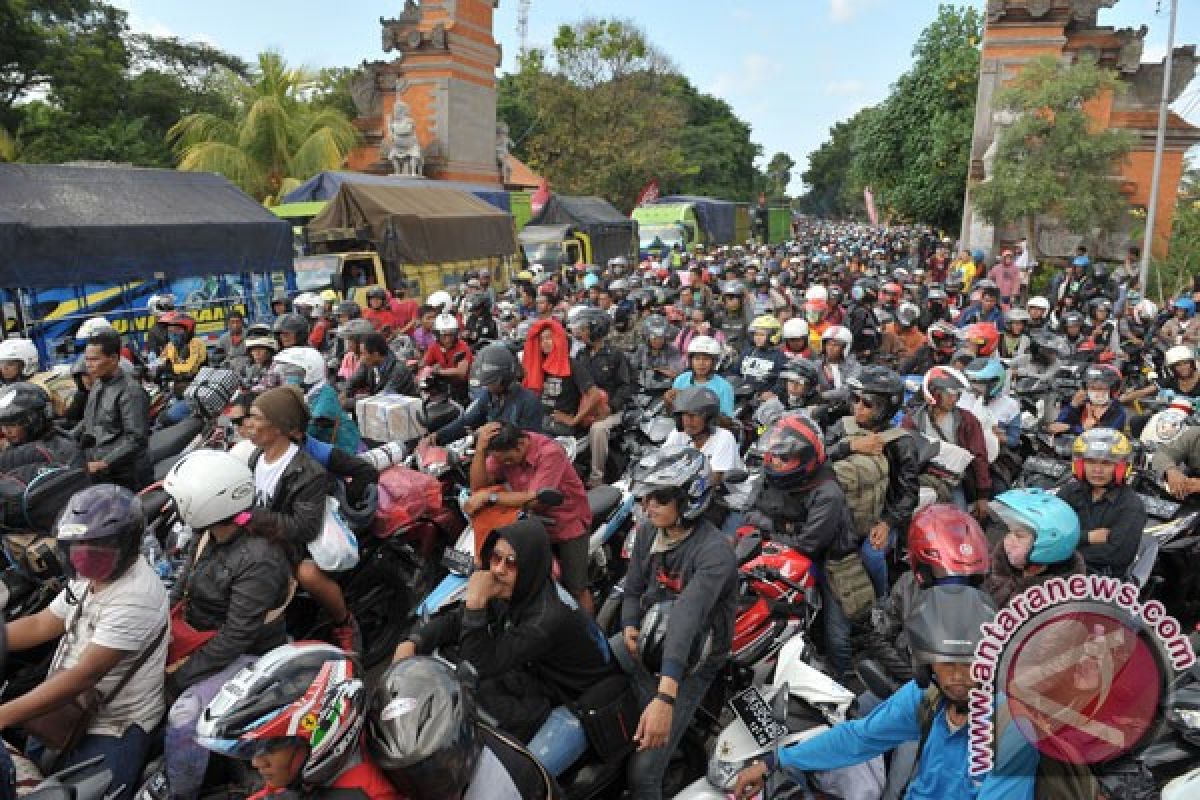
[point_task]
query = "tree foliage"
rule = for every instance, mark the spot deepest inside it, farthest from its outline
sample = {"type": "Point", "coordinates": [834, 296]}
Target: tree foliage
{"type": "Point", "coordinates": [274, 135]}
{"type": "Point", "coordinates": [915, 152]}
{"type": "Point", "coordinates": [1051, 159]}
{"type": "Point", "coordinates": [779, 175]}
{"type": "Point", "coordinates": [604, 113]}
{"type": "Point", "coordinates": [833, 189]}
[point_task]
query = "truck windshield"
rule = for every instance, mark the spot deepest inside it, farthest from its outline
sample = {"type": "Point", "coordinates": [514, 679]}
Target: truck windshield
{"type": "Point", "coordinates": [314, 273]}
{"type": "Point", "coordinates": [548, 254]}
{"type": "Point", "coordinates": [668, 235]}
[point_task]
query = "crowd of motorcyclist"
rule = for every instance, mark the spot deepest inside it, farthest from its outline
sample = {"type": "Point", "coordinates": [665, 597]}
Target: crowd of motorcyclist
{"type": "Point", "coordinates": [828, 364]}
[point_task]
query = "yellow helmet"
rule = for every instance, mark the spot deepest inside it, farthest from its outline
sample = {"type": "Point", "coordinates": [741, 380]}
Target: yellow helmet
{"type": "Point", "coordinates": [1102, 444]}
{"type": "Point", "coordinates": [769, 324]}
{"type": "Point", "coordinates": [329, 295]}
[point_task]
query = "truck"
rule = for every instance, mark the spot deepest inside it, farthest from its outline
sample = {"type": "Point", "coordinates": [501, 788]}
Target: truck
{"type": "Point", "coordinates": [665, 227]}
{"type": "Point", "coordinates": [715, 221]}
{"type": "Point", "coordinates": [771, 225]}
{"type": "Point", "coordinates": [577, 230]}
{"type": "Point", "coordinates": [376, 234]}
{"type": "Point", "coordinates": [78, 242]}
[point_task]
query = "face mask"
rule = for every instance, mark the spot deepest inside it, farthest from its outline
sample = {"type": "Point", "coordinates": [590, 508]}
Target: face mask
{"type": "Point", "coordinates": [93, 563]}
{"type": "Point", "coordinates": [1016, 550]}
{"type": "Point", "coordinates": [1099, 397]}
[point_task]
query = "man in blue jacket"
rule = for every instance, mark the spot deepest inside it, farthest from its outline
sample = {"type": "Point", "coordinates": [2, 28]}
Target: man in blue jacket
{"type": "Point", "coordinates": [943, 631]}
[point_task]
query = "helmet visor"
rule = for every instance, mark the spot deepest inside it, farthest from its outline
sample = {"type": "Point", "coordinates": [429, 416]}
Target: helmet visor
{"type": "Point", "coordinates": [244, 749]}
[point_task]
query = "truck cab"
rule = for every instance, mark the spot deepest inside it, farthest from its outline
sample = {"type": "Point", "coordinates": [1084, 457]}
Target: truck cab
{"type": "Point", "coordinates": [554, 246]}
{"type": "Point", "coordinates": [341, 259]}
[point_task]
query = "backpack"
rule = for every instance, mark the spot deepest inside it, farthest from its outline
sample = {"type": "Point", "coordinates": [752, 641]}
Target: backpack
{"type": "Point", "coordinates": [864, 478]}
{"type": "Point", "coordinates": [1054, 780]}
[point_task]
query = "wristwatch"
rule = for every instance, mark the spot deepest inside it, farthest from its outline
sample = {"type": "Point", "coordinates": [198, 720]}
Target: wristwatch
{"type": "Point", "coordinates": [493, 498]}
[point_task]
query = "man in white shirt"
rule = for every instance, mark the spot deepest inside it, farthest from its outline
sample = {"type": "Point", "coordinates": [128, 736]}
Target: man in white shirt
{"type": "Point", "coordinates": [696, 412]}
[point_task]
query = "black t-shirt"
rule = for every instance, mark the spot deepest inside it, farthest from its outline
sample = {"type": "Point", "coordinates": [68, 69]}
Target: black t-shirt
{"type": "Point", "coordinates": [564, 394]}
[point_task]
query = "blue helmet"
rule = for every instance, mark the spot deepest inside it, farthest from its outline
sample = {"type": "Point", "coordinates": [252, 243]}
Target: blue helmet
{"type": "Point", "coordinates": [590, 280]}
{"type": "Point", "coordinates": [990, 372]}
{"type": "Point", "coordinates": [1081, 261]}
{"type": "Point", "coordinates": [1187, 304]}
{"type": "Point", "coordinates": [1054, 524]}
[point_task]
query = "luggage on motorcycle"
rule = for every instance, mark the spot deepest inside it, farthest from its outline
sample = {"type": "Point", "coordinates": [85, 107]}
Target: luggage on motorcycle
{"type": "Point", "coordinates": [211, 390]}
{"type": "Point", "coordinates": [405, 496]}
{"type": "Point", "coordinates": [609, 713]}
{"type": "Point", "coordinates": [33, 495]}
{"type": "Point", "coordinates": [850, 584]}
{"type": "Point", "coordinates": [389, 417]}
{"type": "Point", "coordinates": [864, 478]}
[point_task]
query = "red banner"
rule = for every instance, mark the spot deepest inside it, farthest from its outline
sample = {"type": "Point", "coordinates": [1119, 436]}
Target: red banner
{"type": "Point", "coordinates": [540, 197]}
{"type": "Point", "coordinates": [649, 194]}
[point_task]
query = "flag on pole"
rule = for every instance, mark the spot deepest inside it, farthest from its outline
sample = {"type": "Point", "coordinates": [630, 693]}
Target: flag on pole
{"type": "Point", "coordinates": [540, 197]}
{"type": "Point", "coordinates": [869, 199]}
{"type": "Point", "coordinates": [649, 194]}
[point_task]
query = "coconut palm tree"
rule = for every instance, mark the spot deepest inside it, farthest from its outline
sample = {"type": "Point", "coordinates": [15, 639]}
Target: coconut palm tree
{"type": "Point", "coordinates": [276, 136]}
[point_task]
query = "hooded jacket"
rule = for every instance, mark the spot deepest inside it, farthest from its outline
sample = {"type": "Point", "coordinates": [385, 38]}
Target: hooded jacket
{"type": "Point", "coordinates": [534, 651]}
{"type": "Point", "coordinates": [1006, 582]}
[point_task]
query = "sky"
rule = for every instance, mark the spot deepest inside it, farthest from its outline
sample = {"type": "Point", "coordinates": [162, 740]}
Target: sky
{"type": "Point", "coordinates": [790, 68]}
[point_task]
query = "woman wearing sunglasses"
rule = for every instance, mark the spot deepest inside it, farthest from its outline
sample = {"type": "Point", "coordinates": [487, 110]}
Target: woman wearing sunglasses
{"type": "Point", "coordinates": [534, 649]}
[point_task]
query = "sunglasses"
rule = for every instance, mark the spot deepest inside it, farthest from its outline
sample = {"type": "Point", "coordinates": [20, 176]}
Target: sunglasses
{"type": "Point", "coordinates": [239, 421]}
{"type": "Point", "coordinates": [866, 400]}
{"type": "Point", "coordinates": [497, 559]}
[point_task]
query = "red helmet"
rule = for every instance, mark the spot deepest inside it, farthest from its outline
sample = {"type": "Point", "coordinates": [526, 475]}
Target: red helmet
{"type": "Point", "coordinates": [984, 336]}
{"type": "Point", "coordinates": [178, 318]}
{"type": "Point", "coordinates": [944, 542]}
{"type": "Point", "coordinates": [549, 289]}
{"type": "Point", "coordinates": [943, 337]}
{"type": "Point", "coordinates": [892, 288]}
{"type": "Point", "coordinates": [792, 451]}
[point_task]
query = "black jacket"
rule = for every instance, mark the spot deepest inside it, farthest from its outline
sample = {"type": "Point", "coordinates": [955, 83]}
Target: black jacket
{"type": "Point", "coordinates": [518, 405]}
{"type": "Point", "coordinates": [611, 371]}
{"type": "Point", "coordinates": [114, 430]}
{"type": "Point", "coordinates": [230, 589]}
{"type": "Point", "coordinates": [881, 635]}
{"type": "Point", "coordinates": [298, 507]}
{"type": "Point", "coordinates": [813, 519]}
{"type": "Point", "coordinates": [1121, 511]}
{"type": "Point", "coordinates": [390, 377]}
{"type": "Point", "coordinates": [904, 489]}
{"type": "Point", "coordinates": [56, 449]}
{"type": "Point", "coordinates": [864, 326]}
{"type": "Point", "coordinates": [533, 652]}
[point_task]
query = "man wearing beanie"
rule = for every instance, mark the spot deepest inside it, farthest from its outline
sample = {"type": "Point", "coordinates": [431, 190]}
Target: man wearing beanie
{"type": "Point", "coordinates": [290, 488]}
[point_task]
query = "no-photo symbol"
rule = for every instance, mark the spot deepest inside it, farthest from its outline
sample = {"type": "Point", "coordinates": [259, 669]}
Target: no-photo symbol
{"type": "Point", "coordinates": [1083, 686]}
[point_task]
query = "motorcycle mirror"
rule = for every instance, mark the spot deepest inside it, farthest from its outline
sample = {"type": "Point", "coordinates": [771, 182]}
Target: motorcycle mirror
{"type": "Point", "coordinates": [735, 476]}
{"type": "Point", "coordinates": [549, 497]}
{"type": "Point", "coordinates": [876, 678]}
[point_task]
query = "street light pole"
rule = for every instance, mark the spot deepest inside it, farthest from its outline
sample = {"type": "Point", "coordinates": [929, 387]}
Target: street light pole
{"type": "Point", "coordinates": [1159, 144]}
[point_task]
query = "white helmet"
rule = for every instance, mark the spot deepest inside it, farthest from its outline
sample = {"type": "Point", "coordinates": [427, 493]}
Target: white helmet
{"type": "Point", "coordinates": [817, 292]}
{"type": "Point", "coordinates": [22, 350]}
{"type": "Point", "coordinates": [308, 359]}
{"type": "Point", "coordinates": [160, 303]}
{"type": "Point", "coordinates": [209, 486]}
{"type": "Point", "coordinates": [537, 270]}
{"type": "Point", "coordinates": [90, 327]}
{"type": "Point", "coordinates": [1178, 354]}
{"type": "Point", "coordinates": [445, 323]}
{"type": "Point", "coordinates": [705, 346]}
{"type": "Point", "coordinates": [310, 300]}
{"type": "Point", "coordinates": [243, 451]}
{"type": "Point", "coordinates": [1146, 311]}
{"type": "Point", "coordinates": [795, 328]}
{"type": "Point", "coordinates": [838, 333]}
{"type": "Point", "coordinates": [1038, 302]}
{"type": "Point", "coordinates": [441, 300]}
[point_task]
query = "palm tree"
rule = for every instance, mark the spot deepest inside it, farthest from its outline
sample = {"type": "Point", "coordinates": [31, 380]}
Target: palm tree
{"type": "Point", "coordinates": [275, 137]}
{"type": "Point", "coordinates": [8, 146]}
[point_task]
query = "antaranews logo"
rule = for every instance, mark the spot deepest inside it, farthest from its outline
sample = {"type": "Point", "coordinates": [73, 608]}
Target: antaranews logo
{"type": "Point", "coordinates": [1078, 666]}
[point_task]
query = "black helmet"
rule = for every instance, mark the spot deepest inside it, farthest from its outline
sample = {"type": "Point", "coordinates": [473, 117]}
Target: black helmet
{"type": "Point", "coordinates": [682, 470]}
{"type": "Point", "coordinates": [27, 406]}
{"type": "Point", "coordinates": [655, 325]}
{"type": "Point", "coordinates": [377, 292]}
{"type": "Point", "coordinates": [1072, 318]}
{"type": "Point", "coordinates": [101, 516]}
{"type": "Point", "coordinates": [652, 639]}
{"type": "Point", "coordinates": [696, 400]}
{"type": "Point", "coordinates": [479, 303]}
{"type": "Point", "coordinates": [421, 729]}
{"type": "Point", "coordinates": [882, 383]}
{"type": "Point", "coordinates": [348, 309]}
{"type": "Point", "coordinates": [596, 322]}
{"type": "Point", "coordinates": [495, 365]}
{"type": "Point", "coordinates": [291, 322]}
{"type": "Point", "coordinates": [945, 627]}
{"type": "Point", "coordinates": [802, 371]}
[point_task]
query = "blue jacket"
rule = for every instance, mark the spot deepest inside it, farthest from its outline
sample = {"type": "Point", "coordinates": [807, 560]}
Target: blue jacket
{"type": "Point", "coordinates": [716, 383]}
{"type": "Point", "coordinates": [942, 773]}
{"type": "Point", "coordinates": [760, 367]}
{"type": "Point", "coordinates": [974, 313]}
{"type": "Point", "coordinates": [1114, 417]}
{"type": "Point", "coordinates": [330, 422]}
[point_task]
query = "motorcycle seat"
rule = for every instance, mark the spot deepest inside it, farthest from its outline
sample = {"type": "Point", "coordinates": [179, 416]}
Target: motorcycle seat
{"type": "Point", "coordinates": [170, 441]}
{"type": "Point", "coordinates": [602, 500]}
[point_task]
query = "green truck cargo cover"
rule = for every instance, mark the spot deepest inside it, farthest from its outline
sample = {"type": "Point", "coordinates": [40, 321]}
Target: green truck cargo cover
{"type": "Point", "coordinates": [424, 225]}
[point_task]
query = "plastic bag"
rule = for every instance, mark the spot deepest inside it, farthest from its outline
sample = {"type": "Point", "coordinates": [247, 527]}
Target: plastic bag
{"type": "Point", "coordinates": [336, 548]}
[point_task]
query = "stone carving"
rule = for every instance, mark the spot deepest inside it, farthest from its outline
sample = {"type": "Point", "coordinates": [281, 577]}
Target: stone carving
{"type": "Point", "coordinates": [364, 88]}
{"type": "Point", "coordinates": [1147, 79]}
{"type": "Point", "coordinates": [1129, 58]}
{"type": "Point", "coordinates": [400, 146]}
{"type": "Point", "coordinates": [398, 32]}
{"type": "Point", "coordinates": [1001, 120]}
{"type": "Point", "coordinates": [1038, 8]}
{"type": "Point", "coordinates": [437, 38]}
{"type": "Point", "coordinates": [1086, 11]}
{"type": "Point", "coordinates": [996, 9]}
{"type": "Point", "coordinates": [503, 143]}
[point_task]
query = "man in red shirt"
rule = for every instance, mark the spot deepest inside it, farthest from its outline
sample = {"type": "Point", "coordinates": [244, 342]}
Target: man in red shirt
{"type": "Point", "coordinates": [450, 357]}
{"type": "Point", "coordinates": [526, 462]}
{"type": "Point", "coordinates": [405, 310]}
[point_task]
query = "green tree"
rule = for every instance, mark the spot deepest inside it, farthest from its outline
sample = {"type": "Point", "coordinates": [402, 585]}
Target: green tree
{"type": "Point", "coordinates": [833, 188]}
{"type": "Point", "coordinates": [779, 175]}
{"type": "Point", "coordinates": [1051, 160]}
{"type": "Point", "coordinates": [720, 154]}
{"type": "Point", "coordinates": [914, 154]}
{"type": "Point", "coordinates": [274, 136]}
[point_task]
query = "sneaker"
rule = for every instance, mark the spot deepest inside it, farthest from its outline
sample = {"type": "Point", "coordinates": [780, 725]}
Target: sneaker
{"type": "Point", "coordinates": [347, 635]}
